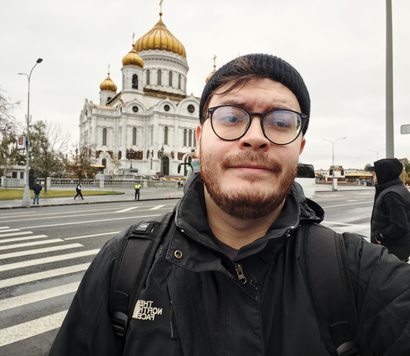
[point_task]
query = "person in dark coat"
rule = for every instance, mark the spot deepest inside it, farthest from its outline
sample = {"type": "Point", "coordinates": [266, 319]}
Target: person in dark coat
{"type": "Point", "coordinates": [390, 223]}
{"type": "Point", "coordinates": [78, 190]}
{"type": "Point", "coordinates": [37, 189]}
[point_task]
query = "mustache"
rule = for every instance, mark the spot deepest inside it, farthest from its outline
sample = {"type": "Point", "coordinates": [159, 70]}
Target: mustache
{"type": "Point", "coordinates": [257, 158]}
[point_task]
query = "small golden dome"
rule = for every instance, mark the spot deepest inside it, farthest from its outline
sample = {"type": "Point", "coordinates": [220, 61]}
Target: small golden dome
{"type": "Point", "coordinates": [133, 59]}
{"type": "Point", "coordinates": [108, 85]}
{"type": "Point", "coordinates": [213, 72]}
{"type": "Point", "coordinates": [160, 38]}
{"type": "Point", "coordinates": [210, 75]}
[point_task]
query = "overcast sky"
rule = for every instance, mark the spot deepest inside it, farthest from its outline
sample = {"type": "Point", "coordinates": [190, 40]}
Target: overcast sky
{"type": "Point", "coordinates": [338, 46]}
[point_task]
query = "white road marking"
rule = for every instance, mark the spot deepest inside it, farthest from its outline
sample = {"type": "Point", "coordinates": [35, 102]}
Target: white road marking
{"type": "Point", "coordinates": [38, 296]}
{"type": "Point", "coordinates": [28, 244]}
{"type": "Point", "coordinates": [128, 209]}
{"type": "Point", "coordinates": [86, 236]}
{"type": "Point", "coordinates": [9, 230]}
{"type": "Point", "coordinates": [3, 227]}
{"type": "Point", "coordinates": [43, 275]}
{"type": "Point", "coordinates": [31, 328]}
{"type": "Point", "coordinates": [39, 250]}
{"type": "Point", "coordinates": [16, 233]}
{"type": "Point", "coordinates": [157, 207]}
{"type": "Point", "coordinates": [91, 221]}
{"type": "Point", "coordinates": [44, 260]}
{"type": "Point", "coordinates": [22, 238]}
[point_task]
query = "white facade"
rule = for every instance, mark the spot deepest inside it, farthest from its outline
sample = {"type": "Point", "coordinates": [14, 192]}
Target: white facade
{"type": "Point", "coordinates": [151, 111]}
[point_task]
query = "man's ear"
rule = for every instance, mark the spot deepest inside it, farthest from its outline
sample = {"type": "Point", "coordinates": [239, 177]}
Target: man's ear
{"type": "Point", "coordinates": [302, 145]}
{"type": "Point", "coordinates": [198, 140]}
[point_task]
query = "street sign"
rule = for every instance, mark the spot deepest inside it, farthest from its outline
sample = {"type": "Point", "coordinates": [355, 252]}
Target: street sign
{"type": "Point", "coordinates": [405, 129]}
{"type": "Point", "coordinates": [21, 143]}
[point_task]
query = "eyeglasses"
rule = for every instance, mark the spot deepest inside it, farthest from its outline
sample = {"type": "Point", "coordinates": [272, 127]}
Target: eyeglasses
{"type": "Point", "coordinates": [279, 126]}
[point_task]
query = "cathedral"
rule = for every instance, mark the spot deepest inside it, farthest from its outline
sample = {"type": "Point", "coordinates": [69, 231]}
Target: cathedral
{"type": "Point", "coordinates": [148, 126]}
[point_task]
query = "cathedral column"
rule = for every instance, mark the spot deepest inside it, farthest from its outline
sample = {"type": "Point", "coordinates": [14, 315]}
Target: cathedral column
{"type": "Point", "coordinates": [124, 139]}
{"type": "Point", "coordinates": [94, 132]}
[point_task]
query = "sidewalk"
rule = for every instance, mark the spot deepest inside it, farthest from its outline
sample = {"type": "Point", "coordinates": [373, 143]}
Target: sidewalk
{"type": "Point", "coordinates": [127, 194]}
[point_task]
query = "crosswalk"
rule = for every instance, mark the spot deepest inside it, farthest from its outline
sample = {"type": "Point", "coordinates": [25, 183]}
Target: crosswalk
{"type": "Point", "coordinates": [38, 278]}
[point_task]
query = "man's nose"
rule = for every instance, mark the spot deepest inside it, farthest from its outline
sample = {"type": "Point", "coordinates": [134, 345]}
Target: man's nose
{"type": "Point", "coordinates": [254, 137]}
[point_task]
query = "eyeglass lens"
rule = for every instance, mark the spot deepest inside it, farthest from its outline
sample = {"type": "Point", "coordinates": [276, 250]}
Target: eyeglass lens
{"type": "Point", "coordinates": [279, 126]}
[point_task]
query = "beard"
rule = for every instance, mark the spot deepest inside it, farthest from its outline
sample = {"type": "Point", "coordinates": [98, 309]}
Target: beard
{"type": "Point", "coordinates": [247, 202]}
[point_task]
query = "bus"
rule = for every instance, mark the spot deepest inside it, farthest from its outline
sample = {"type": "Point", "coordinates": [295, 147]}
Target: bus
{"type": "Point", "coordinates": [305, 176]}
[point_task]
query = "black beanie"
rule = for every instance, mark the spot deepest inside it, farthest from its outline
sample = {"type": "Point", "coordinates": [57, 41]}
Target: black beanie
{"type": "Point", "coordinates": [263, 66]}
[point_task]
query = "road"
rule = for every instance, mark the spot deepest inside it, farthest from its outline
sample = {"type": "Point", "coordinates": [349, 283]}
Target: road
{"type": "Point", "coordinates": [45, 252]}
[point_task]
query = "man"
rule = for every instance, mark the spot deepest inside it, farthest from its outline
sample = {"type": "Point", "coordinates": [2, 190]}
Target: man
{"type": "Point", "coordinates": [226, 279]}
{"type": "Point", "coordinates": [78, 190]}
{"type": "Point", "coordinates": [390, 223]}
{"type": "Point", "coordinates": [37, 189]}
{"type": "Point", "coordinates": [137, 191]}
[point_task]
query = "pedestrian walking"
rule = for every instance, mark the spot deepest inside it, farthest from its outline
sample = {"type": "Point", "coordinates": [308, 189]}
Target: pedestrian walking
{"type": "Point", "coordinates": [242, 265]}
{"type": "Point", "coordinates": [37, 189]}
{"type": "Point", "coordinates": [78, 190]}
{"type": "Point", "coordinates": [390, 222]}
{"type": "Point", "coordinates": [137, 191]}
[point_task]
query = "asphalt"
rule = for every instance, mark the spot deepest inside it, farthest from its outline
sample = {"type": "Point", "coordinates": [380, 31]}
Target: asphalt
{"type": "Point", "coordinates": [127, 195]}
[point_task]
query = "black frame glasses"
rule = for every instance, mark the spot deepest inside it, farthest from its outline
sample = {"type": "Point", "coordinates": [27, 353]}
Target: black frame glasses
{"type": "Point", "coordinates": [280, 125]}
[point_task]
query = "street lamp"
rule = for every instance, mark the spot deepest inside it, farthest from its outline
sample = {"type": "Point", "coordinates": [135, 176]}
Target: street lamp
{"type": "Point", "coordinates": [333, 160]}
{"type": "Point", "coordinates": [377, 153]}
{"type": "Point", "coordinates": [131, 152]}
{"type": "Point", "coordinates": [26, 195]}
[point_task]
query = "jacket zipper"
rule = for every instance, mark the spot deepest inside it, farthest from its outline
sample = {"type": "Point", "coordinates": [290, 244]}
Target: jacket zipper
{"type": "Point", "coordinates": [171, 324]}
{"type": "Point", "coordinates": [239, 272]}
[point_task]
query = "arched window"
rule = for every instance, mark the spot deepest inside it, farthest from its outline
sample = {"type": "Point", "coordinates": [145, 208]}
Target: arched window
{"type": "Point", "coordinates": [104, 162]}
{"type": "Point", "coordinates": [148, 77]}
{"type": "Point", "coordinates": [134, 135]}
{"type": "Point", "coordinates": [135, 81]}
{"type": "Point", "coordinates": [179, 81]}
{"type": "Point", "coordinates": [104, 136]}
{"type": "Point", "coordinates": [185, 138]}
{"type": "Point", "coordinates": [108, 99]}
{"type": "Point", "coordinates": [166, 135]}
{"type": "Point", "coordinates": [159, 82]}
{"type": "Point", "coordinates": [190, 138]}
{"type": "Point", "coordinates": [170, 78]}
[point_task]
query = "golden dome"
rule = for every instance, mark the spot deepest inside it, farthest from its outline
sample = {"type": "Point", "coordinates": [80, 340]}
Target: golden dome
{"type": "Point", "coordinates": [160, 38]}
{"type": "Point", "coordinates": [133, 59]}
{"type": "Point", "coordinates": [108, 85]}
{"type": "Point", "coordinates": [213, 72]}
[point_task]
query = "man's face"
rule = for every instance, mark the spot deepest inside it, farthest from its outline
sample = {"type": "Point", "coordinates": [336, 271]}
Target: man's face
{"type": "Point", "coordinates": [249, 177]}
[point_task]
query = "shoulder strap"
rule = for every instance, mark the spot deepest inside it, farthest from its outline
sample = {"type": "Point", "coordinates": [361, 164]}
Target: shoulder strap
{"type": "Point", "coordinates": [133, 263]}
{"type": "Point", "coordinates": [326, 273]}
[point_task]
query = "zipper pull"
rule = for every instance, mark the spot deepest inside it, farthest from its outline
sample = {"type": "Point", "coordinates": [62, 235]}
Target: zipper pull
{"type": "Point", "coordinates": [239, 272]}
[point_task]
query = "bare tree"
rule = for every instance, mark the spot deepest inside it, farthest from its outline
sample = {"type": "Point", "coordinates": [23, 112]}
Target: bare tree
{"type": "Point", "coordinates": [48, 145]}
{"type": "Point", "coordinates": [9, 154]}
{"type": "Point", "coordinates": [81, 160]}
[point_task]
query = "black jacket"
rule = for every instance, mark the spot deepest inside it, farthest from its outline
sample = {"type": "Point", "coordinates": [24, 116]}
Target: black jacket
{"type": "Point", "coordinates": [37, 188]}
{"type": "Point", "coordinates": [390, 222]}
{"type": "Point", "coordinates": [195, 304]}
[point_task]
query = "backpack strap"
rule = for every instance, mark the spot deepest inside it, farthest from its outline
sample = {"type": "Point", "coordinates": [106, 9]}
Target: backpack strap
{"type": "Point", "coordinates": [325, 270]}
{"type": "Point", "coordinates": [132, 265]}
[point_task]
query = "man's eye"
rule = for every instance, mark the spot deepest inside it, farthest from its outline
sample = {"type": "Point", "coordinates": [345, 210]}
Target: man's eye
{"type": "Point", "coordinates": [231, 120]}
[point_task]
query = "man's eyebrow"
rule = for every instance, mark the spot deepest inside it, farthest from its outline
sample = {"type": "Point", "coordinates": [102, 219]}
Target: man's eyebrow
{"type": "Point", "coordinates": [242, 104]}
